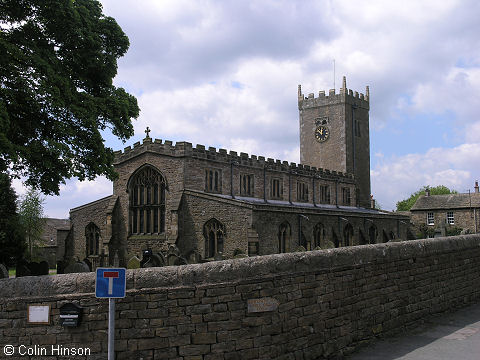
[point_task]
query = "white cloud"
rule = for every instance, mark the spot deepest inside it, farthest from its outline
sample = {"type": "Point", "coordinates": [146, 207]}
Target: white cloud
{"type": "Point", "coordinates": [396, 178]}
{"type": "Point", "coordinates": [225, 74]}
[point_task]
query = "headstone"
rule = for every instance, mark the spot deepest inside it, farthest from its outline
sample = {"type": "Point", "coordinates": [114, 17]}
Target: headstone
{"type": "Point", "coordinates": [133, 263]}
{"type": "Point", "coordinates": [78, 267]}
{"type": "Point", "coordinates": [43, 268]}
{"type": "Point", "coordinates": [3, 272]}
{"type": "Point", "coordinates": [89, 263]}
{"type": "Point", "coordinates": [22, 268]}
{"type": "Point", "coordinates": [176, 260]}
{"type": "Point", "coordinates": [34, 268]}
{"type": "Point", "coordinates": [146, 255]}
{"type": "Point", "coordinates": [300, 249]}
{"type": "Point", "coordinates": [60, 267]}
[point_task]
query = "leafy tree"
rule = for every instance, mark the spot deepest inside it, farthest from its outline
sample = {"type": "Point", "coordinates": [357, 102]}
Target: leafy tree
{"type": "Point", "coordinates": [406, 205]}
{"type": "Point", "coordinates": [58, 59]}
{"type": "Point", "coordinates": [12, 237]}
{"type": "Point", "coordinates": [32, 220]}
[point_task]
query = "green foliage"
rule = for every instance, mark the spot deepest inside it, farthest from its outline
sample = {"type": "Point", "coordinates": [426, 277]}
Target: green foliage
{"type": "Point", "coordinates": [425, 232]}
{"type": "Point", "coordinates": [12, 237]}
{"type": "Point", "coordinates": [58, 59]}
{"type": "Point", "coordinates": [453, 231]}
{"type": "Point", "coordinates": [406, 205]}
{"type": "Point", "coordinates": [32, 220]}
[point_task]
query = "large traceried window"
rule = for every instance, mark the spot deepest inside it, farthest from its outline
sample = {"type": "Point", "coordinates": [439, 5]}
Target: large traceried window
{"type": "Point", "coordinates": [92, 236]}
{"type": "Point", "coordinates": [214, 232]}
{"type": "Point", "coordinates": [147, 202]}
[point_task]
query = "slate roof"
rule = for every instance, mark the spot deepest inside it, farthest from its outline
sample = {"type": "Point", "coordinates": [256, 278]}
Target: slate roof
{"type": "Point", "coordinates": [450, 201]}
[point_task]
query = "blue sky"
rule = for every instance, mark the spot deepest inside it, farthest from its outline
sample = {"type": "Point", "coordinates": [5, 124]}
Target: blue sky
{"type": "Point", "coordinates": [225, 74]}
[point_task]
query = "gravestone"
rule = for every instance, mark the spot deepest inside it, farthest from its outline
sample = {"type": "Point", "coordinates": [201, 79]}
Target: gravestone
{"type": "Point", "coordinates": [34, 268]}
{"type": "Point", "coordinates": [78, 267]}
{"type": "Point", "coordinates": [300, 249]}
{"type": "Point", "coordinates": [89, 263]}
{"type": "Point", "coordinates": [22, 268]}
{"type": "Point", "coordinates": [218, 256]}
{"type": "Point", "coordinates": [3, 272]}
{"type": "Point", "coordinates": [60, 267]}
{"type": "Point", "coordinates": [43, 268]}
{"type": "Point", "coordinates": [133, 263]}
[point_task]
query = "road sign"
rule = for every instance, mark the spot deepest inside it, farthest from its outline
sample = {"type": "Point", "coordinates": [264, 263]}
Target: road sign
{"type": "Point", "coordinates": [110, 283]}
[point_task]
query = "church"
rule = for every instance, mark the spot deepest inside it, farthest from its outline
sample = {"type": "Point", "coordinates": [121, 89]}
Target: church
{"type": "Point", "coordinates": [191, 204]}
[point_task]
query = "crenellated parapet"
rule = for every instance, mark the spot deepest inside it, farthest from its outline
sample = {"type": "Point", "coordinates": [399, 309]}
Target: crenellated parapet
{"type": "Point", "coordinates": [201, 152]}
{"type": "Point", "coordinates": [344, 96]}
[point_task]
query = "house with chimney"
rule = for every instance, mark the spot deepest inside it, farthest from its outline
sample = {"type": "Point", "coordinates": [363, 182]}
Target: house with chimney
{"type": "Point", "coordinates": [444, 215]}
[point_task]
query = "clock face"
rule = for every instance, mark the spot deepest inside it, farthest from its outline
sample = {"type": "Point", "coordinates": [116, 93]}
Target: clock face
{"type": "Point", "coordinates": [321, 133]}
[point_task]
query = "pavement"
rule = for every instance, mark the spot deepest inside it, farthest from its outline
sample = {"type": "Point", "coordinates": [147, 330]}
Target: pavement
{"type": "Point", "coordinates": [448, 336]}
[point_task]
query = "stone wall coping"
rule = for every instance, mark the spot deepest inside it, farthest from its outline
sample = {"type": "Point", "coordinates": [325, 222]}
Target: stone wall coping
{"type": "Point", "coordinates": [237, 270]}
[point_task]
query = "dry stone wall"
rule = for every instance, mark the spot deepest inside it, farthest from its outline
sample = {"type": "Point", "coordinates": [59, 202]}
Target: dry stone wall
{"type": "Point", "coordinates": [309, 305]}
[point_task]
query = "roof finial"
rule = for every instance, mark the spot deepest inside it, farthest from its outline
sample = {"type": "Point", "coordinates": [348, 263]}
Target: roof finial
{"type": "Point", "coordinates": [147, 131]}
{"type": "Point", "coordinates": [367, 93]}
{"type": "Point", "coordinates": [344, 85]}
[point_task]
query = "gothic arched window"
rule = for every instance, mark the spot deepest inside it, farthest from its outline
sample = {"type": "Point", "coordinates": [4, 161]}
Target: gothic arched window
{"type": "Point", "coordinates": [92, 236]}
{"type": "Point", "coordinates": [284, 233]}
{"type": "Point", "coordinates": [348, 235]}
{"type": "Point", "coordinates": [147, 202]}
{"type": "Point", "coordinates": [318, 235]}
{"type": "Point", "coordinates": [214, 233]}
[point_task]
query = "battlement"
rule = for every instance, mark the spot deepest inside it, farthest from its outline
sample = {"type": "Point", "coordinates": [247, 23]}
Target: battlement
{"type": "Point", "coordinates": [344, 96]}
{"type": "Point", "coordinates": [186, 149]}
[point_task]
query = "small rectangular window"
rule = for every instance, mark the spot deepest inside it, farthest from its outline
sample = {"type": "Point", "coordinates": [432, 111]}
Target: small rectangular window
{"type": "Point", "coordinates": [450, 218]}
{"type": "Point", "coordinates": [324, 194]}
{"type": "Point", "coordinates": [276, 188]}
{"type": "Point", "coordinates": [302, 191]}
{"type": "Point", "coordinates": [213, 180]}
{"type": "Point", "coordinates": [346, 196]}
{"type": "Point", "coordinates": [430, 219]}
{"type": "Point", "coordinates": [246, 184]}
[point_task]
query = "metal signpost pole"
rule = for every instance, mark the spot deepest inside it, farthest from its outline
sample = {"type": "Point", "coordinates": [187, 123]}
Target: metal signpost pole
{"type": "Point", "coordinates": [111, 283]}
{"type": "Point", "coordinates": [111, 329]}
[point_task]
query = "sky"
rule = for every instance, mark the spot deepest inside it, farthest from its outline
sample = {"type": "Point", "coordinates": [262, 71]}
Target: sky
{"type": "Point", "coordinates": [225, 74]}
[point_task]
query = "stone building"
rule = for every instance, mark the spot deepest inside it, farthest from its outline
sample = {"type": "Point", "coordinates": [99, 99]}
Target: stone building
{"type": "Point", "coordinates": [191, 204]}
{"type": "Point", "coordinates": [440, 215]}
{"type": "Point", "coordinates": [52, 245]}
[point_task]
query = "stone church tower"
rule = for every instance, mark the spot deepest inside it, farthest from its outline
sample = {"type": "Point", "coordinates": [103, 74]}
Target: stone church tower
{"type": "Point", "coordinates": [334, 135]}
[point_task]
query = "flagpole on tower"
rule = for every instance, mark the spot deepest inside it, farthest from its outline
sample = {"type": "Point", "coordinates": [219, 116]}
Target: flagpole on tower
{"type": "Point", "coordinates": [334, 73]}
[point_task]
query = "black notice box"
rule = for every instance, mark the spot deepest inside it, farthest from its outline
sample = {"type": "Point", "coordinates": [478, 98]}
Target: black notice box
{"type": "Point", "coordinates": [70, 315]}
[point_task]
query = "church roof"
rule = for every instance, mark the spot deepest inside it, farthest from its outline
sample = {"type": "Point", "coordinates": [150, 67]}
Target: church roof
{"type": "Point", "coordinates": [450, 201]}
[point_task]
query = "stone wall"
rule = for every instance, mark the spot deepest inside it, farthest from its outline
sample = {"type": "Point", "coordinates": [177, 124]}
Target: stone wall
{"type": "Point", "coordinates": [286, 306]}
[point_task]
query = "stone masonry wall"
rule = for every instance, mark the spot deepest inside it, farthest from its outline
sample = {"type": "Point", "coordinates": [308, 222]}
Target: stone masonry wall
{"type": "Point", "coordinates": [316, 304]}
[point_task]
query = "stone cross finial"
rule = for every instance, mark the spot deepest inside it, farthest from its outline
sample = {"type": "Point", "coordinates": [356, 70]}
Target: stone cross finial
{"type": "Point", "coordinates": [147, 131]}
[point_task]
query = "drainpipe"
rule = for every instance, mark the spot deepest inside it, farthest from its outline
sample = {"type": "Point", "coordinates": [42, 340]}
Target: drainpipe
{"type": "Point", "coordinates": [313, 191]}
{"type": "Point", "coordinates": [264, 184]}
{"type": "Point", "coordinates": [336, 193]}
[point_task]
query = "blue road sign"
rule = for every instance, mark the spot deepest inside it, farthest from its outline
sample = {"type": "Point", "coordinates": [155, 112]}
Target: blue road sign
{"type": "Point", "coordinates": [110, 283]}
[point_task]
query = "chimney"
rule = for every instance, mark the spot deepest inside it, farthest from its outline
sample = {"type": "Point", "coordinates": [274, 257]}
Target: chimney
{"type": "Point", "coordinates": [476, 186]}
{"type": "Point", "coordinates": [427, 192]}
